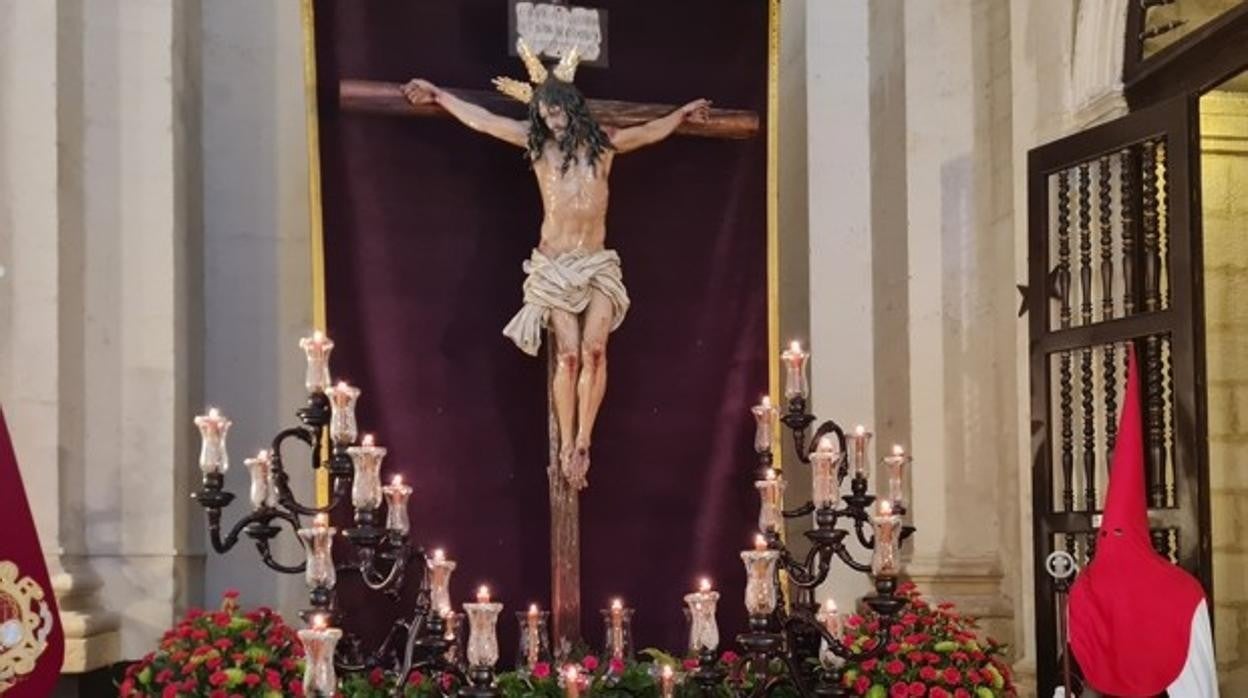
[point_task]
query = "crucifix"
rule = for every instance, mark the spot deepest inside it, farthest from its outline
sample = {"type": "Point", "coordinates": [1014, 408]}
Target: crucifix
{"type": "Point", "coordinates": [574, 289]}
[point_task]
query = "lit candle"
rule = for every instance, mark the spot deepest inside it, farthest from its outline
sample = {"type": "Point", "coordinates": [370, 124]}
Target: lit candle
{"type": "Point", "coordinates": [764, 415]}
{"type": "Point", "coordinates": [571, 681]}
{"type": "Point", "coordinates": [760, 542]}
{"type": "Point", "coordinates": [263, 491]}
{"type": "Point", "coordinates": [318, 543]}
{"type": "Point", "coordinates": [342, 425]}
{"type": "Point", "coordinates": [214, 459]}
{"type": "Point", "coordinates": [823, 472]}
{"type": "Point", "coordinates": [440, 570]}
{"type": "Point", "coordinates": [396, 505]}
{"type": "Point", "coordinates": [760, 584]}
{"type": "Point", "coordinates": [532, 637]}
{"type": "Point", "coordinates": [703, 628]}
{"type": "Point", "coordinates": [886, 557]}
{"type": "Point", "coordinates": [859, 441]}
{"type": "Point", "coordinates": [795, 384]}
{"type": "Point", "coordinates": [366, 486]}
{"type": "Point", "coordinates": [771, 493]}
{"type": "Point", "coordinates": [317, 348]}
{"type": "Point", "coordinates": [667, 681]}
{"type": "Point", "coordinates": [319, 642]}
{"type": "Point", "coordinates": [895, 466]}
{"type": "Point", "coordinates": [483, 629]}
{"type": "Point", "coordinates": [617, 629]}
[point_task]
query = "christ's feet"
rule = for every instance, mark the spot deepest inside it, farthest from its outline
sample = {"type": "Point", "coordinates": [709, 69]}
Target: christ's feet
{"type": "Point", "coordinates": [575, 465]}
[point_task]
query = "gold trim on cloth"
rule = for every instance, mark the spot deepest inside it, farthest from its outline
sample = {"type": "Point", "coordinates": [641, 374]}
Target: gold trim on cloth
{"type": "Point", "coordinates": [773, 211]}
{"type": "Point", "coordinates": [25, 623]}
{"type": "Point", "coordinates": [315, 220]}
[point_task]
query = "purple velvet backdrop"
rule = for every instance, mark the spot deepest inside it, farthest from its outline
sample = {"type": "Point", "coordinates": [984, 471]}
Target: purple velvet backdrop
{"type": "Point", "coordinates": [426, 224]}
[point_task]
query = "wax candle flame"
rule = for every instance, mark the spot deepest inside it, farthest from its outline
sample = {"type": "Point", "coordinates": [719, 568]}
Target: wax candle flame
{"type": "Point", "coordinates": [318, 336]}
{"type": "Point", "coordinates": [667, 671]}
{"type": "Point", "coordinates": [760, 543]}
{"type": "Point", "coordinates": [262, 454]}
{"type": "Point", "coordinates": [439, 555]}
{"type": "Point", "coordinates": [617, 605]}
{"type": "Point", "coordinates": [860, 430]}
{"type": "Point", "coordinates": [398, 480]}
{"type": "Point", "coordinates": [532, 609]}
{"type": "Point", "coordinates": [771, 474]}
{"type": "Point", "coordinates": [483, 594]}
{"type": "Point", "coordinates": [830, 605]}
{"type": "Point", "coordinates": [572, 673]}
{"type": "Point", "coordinates": [704, 585]}
{"type": "Point", "coordinates": [826, 444]}
{"type": "Point", "coordinates": [898, 450]}
{"type": "Point", "coordinates": [214, 413]}
{"type": "Point", "coordinates": [886, 507]}
{"type": "Point", "coordinates": [795, 346]}
{"type": "Point", "coordinates": [765, 402]}
{"type": "Point", "coordinates": [321, 520]}
{"type": "Point", "coordinates": [318, 621]}
{"type": "Point", "coordinates": [368, 440]}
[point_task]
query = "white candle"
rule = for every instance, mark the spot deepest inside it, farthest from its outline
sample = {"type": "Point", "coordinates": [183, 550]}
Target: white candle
{"type": "Point", "coordinates": [483, 629]}
{"type": "Point", "coordinates": [886, 555]}
{"type": "Point", "coordinates": [440, 570]}
{"type": "Point", "coordinates": [703, 628]}
{"type": "Point", "coordinates": [667, 681]}
{"type": "Point", "coordinates": [319, 643]}
{"type": "Point", "coordinates": [214, 458]}
{"type": "Point", "coordinates": [397, 495]}
{"type": "Point", "coordinates": [343, 428]}
{"type": "Point", "coordinates": [318, 543]}
{"type": "Point", "coordinates": [760, 586]}
{"type": "Point", "coordinates": [366, 486]}
{"type": "Point", "coordinates": [764, 415]}
{"type": "Point", "coordinates": [771, 493]}
{"type": "Point", "coordinates": [263, 491]}
{"type": "Point", "coordinates": [617, 629]}
{"type": "Point", "coordinates": [795, 383]}
{"type": "Point", "coordinates": [823, 472]}
{"type": "Point", "coordinates": [859, 441]}
{"type": "Point", "coordinates": [317, 348]}
{"type": "Point", "coordinates": [895, 466]}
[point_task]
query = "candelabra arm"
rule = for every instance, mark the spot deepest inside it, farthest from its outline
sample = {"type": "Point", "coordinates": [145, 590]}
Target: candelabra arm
{"type": "Point", "coordinates": [391, 580]}
{"type": "Point", "coordinates": [804, 510]}
{"type": "Point", "coordinates": [414, 629]}
{"type": "Point", "coordinates": [266, 553]}
{"type": "Point", "coordinates": [860, 532]}
{"type": "Point", "coordinates": [224, 545]}
{"type": "Point", "coordinates": [800, 573]}
{"type": "Point", "coordinates": [843, 553]}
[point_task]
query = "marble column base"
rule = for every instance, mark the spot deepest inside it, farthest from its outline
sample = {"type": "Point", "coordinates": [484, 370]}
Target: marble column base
{"type": "Point", "coordinates": [92, 637]}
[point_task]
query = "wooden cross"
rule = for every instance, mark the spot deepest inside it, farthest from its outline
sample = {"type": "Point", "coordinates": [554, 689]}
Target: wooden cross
{"type": "Point", "coordinates": [385, 98]}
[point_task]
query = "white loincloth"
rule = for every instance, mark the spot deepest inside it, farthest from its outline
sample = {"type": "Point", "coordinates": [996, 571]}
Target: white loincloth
{"type": "Point", "coordinates": [565, 283]}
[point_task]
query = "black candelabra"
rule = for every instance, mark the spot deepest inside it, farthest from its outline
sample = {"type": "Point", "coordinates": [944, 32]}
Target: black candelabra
{"type": "Point", "coordinates": [381, 552]}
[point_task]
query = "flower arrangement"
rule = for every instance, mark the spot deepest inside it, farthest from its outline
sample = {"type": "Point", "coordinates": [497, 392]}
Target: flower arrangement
{"type": "Point", "coordinates": [378, 684]}
{"type": "Point", "coordinates": [933, 652]}
{"type": "Point", "coordinates": [220, 654]}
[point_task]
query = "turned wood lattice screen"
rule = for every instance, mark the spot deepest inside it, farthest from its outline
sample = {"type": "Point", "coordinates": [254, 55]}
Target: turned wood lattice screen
{"type": "Point", "coordinates": [1114, 258]}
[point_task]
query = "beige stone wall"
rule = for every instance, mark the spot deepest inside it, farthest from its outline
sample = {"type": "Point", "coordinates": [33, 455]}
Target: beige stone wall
{"type": "Point", "coordinates": [1224, 172]}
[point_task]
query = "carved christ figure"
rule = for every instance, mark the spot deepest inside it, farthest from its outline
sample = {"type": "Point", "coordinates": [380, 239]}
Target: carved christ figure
{"type": "Point", "coordinates": [574, 284]}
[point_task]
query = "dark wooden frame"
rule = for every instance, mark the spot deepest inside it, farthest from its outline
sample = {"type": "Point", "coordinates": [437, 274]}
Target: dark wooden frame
{"type": "Point", "coordinates": [1209, 55]}
{"type": "Point", "coordinates": [1176, 122]}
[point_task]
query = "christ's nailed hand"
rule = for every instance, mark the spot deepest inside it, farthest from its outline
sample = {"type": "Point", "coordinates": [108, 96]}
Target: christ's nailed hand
{"type": "Point", "coordinates": [420, 91]}
{"type": "Point", "coordinates": [698, 111]}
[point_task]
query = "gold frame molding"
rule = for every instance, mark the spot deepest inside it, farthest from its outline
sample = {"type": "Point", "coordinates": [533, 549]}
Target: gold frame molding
{"type": "Point", "coordinates": [317, 237]}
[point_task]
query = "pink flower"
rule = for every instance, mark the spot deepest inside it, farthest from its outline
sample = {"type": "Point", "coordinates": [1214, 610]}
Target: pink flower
{"type": "Point", "coordinates": [927, 673]}
{"type": "Point", "coordinates": [895, 667]}
{"type": "Point", "coordinates": [541, 670]}
{"type": "Point", "coordinates": [869, 665]}
{"type": "Point", "coordinates": [221, 619]}
{"type": "Point", "coordinates": [952, 676]}
{"type": "Point", "coordinates": [251, 679]}
{"type": "Point", "coordinates": [616, 665]}
{"type": "Point", "coordinates": [171, 691]}
{"type": "Point", "coordinates": [938, 692]}
{"type": "Point", "coordinates": [273, 678]}
{"type": "Point", "coordinates": [917, 689]}
{"type": "Point", "coordinates": [218, 678]}
{"type": "Point", "coordinates": [690, 664]}
{"type": "Point", "coordinates": [447, 681]}
{"type": "Point", "coordinates": [854, 621]}
{"type": "Point", "coordinates": [899, 690]}
{"type": "Point", "coordinates": [861, 685]}
{"type": "Point", "coordinates": [729, 657]}
{"type": "Point", "coordinates": [296, 687]}
{"type": "Point", "coordinates": [961, 693]}
{"type": "Point", "coordinates": [415, 679]}
{"type": "Point", "coordinates": [230, 594]}
{"type": "Point", "coordinates": [590, 662]}
{"type": "Point", "coordinates": [376, 677]}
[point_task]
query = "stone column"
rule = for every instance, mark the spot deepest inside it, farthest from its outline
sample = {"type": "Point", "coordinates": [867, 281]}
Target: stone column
{"type": "Point", "coordinates": [962, 304]}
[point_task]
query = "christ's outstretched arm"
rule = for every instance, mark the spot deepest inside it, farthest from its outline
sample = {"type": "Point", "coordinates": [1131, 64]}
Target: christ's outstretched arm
{"type": "Point", "coordinates": [476, 118]}
{"type": "Point", "coordinates": [652, 132]}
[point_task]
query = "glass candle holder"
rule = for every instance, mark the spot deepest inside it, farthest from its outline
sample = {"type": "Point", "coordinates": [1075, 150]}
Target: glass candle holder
{"type": "Point", "coordinates": [823, 464]}
{"type": "Point", "coordinates": [483, 631]}
{"type": "Point", "coordinates": [319, 643]}
{"type": "Point", "coordinates": [667, 681]}
{"type": "Point", "coordinates": [618, 623]}
{"type": "Point", "coordinates": [342, 425]}
{"type": "Point", "coordinates": [760, 580]}
{"type": "Point", "coordinates": [317, 348]}
{"type": "Point", "coordinates": [318, 544]}
{"type": "Point", "coordinates": [771, 495]}
{"type": "Point", "coordinates": [859, 442]}
{"type": "Point", "coordinates": [571, 675]}
{"type": "Point", "coordinates": [886, 556]}
{"type": "Point", "coordinates": [830, 619]}
{"type": "Point", "coordinates": [703, 629]}
{"type": "Point", "coordinates": [440, 570]}
{"type": "Point", "coordinates": [765, 418]}
{"type": "Point", "coordinates": [534, 644]}
{"type": "Point", "coordinates": [454, 633]}
{"type": "Point", "coordinates": [366, 486]}
{"type": "Point", "coordinates": [895, 466]}
{"type": "Point", "coordinates": [214, 459]}
{"type": "Point", "coordinates": [397, 495]}
{"type": "Point", "coordinates": [796, 383]}
{"type": "Point", "coordinates": [259, 468]}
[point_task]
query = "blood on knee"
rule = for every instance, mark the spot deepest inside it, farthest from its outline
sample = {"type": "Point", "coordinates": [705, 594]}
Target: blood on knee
{"type": "Point", "coordinates": [594, 354]}
{"type": "Point", "coordinates": [568, 360]}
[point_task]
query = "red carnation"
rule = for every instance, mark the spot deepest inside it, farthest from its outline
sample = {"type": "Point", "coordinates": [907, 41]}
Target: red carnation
{"type": "Point", "coordinates": [218, 678]}
{"type": "Point", "coordinates": [221, 619]}
{"type": "Point", "coordinates": [861, 685]}
{"type": "Point", "coordinates": [251, 679]}
{"type": "Point", "coordinates": [447, 680]}
{"type": "Point", "coordinates": [729, 657]}
{"type": "Point", "coordinates": [928, 674]}
{"type": "Point", "coordinates": [164, 675]}
{"type": "Point", "coordinates": [274, 679]}
{"type": "Point", "coordinates": [961, 693]}
{"type": "Point", "coordinates": [296, 688]}
{"type": "Point", "coordinates": [917, 689]}
{"type": "Point", "coordinates": [690, 664]}
{"type": "Point", "coordinates": [223, 643]}
{"type": "Point", "coordinates": [909, 619]}
{"type": "Point", "coordinates": [952, 676]}
{"type": "Point", "coordinates": [376, 678]}
{"type": "Point", "coordinates": [973, 677]}
{"type": "Point", "coordinates": [170, 691]}
{"type": "Point", "coordinates": [869, 665]}
{"type": "Point", "coordinates": [854, 621]}
{"type": "Point", "coordinates": [938, 692]}
{"type": "Point", "coordinates": [416, 678]}
{"type": "Point", "coordinates": [915, 657]}
{"type": "Point", "coordinates": [899, 690]}
{"type": "Point", "coordinates": [541, 670]}
{"type": "Point", "coordinates": [895, 667]}
{"type": "Point", "coordinates": [892, 648]}
{"type": "Point", "coordinates": [199, 635]}
{"type": "Point", "coordinates": [217, 694]}
{"type": "Point", "coordinates": [616, 665]}
{"type": "Point", "coordinates": [897, 630]}
{"type": "Point", "coordinates": [230, 594]}
{"type": "Point", "coordinates": [213, 663]}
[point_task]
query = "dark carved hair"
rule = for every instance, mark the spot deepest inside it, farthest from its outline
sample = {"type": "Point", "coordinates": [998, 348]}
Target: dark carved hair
{"type": "Point", "coordinates": [582, 129]}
